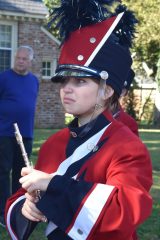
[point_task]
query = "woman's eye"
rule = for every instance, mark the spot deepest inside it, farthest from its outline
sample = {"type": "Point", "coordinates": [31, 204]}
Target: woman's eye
{"type": "Point", "coordinates": [80, 80]}
{"type": "Point", "coordinates": [64, 81]}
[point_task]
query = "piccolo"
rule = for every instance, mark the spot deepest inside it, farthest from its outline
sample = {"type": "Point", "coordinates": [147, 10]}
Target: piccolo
{"type": "Point", "coordinates": [28, 163]}
{"type": "Point", "coordinates": [19, 139]}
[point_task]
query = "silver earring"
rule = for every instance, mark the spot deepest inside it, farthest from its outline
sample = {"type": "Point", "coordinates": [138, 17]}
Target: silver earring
{"type": "Point", "coordinates": [98, 106]}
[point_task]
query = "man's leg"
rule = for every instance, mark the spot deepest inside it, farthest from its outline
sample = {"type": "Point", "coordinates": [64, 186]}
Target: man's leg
{"type": "Point", "coordinates": [6, 156]}
{"type": "Point", "coordinates": [18, 162]}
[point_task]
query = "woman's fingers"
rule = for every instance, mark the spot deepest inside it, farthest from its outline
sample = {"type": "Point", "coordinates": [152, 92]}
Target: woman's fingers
{"type": "Point", "coordinates": [30, 211]}
{"type": "Point", "coordinates": [35, 180]}
{"type": "Point", "coordinates": [32, 196]}
{"type": "Point", "coordinates": [26, 171]}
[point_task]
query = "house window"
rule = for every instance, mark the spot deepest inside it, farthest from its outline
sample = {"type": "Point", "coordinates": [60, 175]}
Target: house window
{"type": "Point", "coordinates": [5, 47]}
{"type": "Point", "coordinates": [8, 44]}
{"type": "Point", "coordinates": [5, 59]}
{"type": "Point", "coordinates": [48, 68]}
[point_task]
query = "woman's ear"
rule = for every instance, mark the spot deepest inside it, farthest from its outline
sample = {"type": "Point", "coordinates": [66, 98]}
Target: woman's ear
{"type": "Point", "coordinates": [124, 92]}
{"type": "Point", "coordinates": [108, 92]}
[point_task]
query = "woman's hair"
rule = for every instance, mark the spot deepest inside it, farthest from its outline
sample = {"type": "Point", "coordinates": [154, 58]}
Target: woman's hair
{"type": "Point", "coordinates": [112, 103]}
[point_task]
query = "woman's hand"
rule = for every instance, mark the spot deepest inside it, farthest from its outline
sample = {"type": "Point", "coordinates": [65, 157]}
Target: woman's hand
{"type": "Point", "coordinates": [33, 180]}
{"type": "Point", "coordinates": [30, 211]}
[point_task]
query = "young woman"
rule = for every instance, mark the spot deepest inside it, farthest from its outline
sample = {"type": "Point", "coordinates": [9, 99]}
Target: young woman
{"type": "Point", "coordinates": [94, 175]}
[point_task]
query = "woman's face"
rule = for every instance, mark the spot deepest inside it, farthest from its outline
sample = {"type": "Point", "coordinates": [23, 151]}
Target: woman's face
{"type": "Point", "coordinates": [79, 96]}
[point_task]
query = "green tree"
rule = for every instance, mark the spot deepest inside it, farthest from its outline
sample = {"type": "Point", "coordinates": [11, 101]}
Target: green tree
{"type": "Point", "coordinates": [147, 41]}
{"type": "Point", "coordinates": [146, 47]}
{"type": "Point", "coordinates": [50, 4]}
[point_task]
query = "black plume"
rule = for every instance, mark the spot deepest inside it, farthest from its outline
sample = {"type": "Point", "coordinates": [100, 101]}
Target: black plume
{"type": "Point", "coordinates": [74, 14]}
{"type": "Point", "coordinates": [126, 28]}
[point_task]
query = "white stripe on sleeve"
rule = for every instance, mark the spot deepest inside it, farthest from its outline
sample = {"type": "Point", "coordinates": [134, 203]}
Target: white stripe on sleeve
{"type": "Point", "coordinates": [90, 212]}
{"type": "Point", "coordinates": [9, 217]}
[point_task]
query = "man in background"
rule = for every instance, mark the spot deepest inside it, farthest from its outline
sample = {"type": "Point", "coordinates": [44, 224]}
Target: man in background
{"type": "Point", "coordinates": [18, 94]}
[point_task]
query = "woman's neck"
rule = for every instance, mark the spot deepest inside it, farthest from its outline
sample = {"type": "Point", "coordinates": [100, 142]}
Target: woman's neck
{"type": "Point", "coordinates": [84, 119]}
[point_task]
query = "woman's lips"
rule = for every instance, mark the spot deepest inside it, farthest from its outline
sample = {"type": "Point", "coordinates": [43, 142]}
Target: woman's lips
{"type": "Point", "coordinates": [68, 100]}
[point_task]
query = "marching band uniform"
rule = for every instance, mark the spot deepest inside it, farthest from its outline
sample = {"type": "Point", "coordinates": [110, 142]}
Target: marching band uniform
{"type": "Point", "coordinates": [127, 120]}
{"type": "Point", "coordinates": [102, 172]}
{"type": "Point", "coordinates": [95, 194]}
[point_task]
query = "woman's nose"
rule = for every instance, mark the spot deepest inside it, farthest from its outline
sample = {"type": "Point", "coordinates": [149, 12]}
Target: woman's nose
{"type": "Point", "coordinates": [68, 87]}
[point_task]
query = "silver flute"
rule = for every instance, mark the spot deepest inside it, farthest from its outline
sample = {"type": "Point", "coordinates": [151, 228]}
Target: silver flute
{"type": "Point", "coordinates": [28, 163]}
{"type": "Point", "coordinates": [19, 139]}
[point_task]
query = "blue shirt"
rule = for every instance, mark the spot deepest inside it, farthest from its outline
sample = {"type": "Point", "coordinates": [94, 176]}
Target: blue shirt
{"type": "Point", "coordinates": [18, 94]}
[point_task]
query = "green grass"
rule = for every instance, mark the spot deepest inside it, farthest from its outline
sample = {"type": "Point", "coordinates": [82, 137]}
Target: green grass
{"type": "Point", "coordinates": [150, 230]}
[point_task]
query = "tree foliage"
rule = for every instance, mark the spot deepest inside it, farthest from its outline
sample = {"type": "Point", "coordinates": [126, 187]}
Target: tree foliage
{"type": "Point", "coordinates": [147, 42]}
{"type": "Point", "coordinates": [50, 4]}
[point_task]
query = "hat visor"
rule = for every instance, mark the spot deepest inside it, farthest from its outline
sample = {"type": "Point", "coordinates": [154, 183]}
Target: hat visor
{"type": "Point", "coordinates": [64, 71]}
{"type": "Point", "coordinates": [58, 77]}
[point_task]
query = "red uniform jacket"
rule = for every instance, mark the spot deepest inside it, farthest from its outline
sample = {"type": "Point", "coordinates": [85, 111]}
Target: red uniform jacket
{"type": "Point", "coordinates": [127, 120]}
{"type": "Point", "coordinates": [101, 187]}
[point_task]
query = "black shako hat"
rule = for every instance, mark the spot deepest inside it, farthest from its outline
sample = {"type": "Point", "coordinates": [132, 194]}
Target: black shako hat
{"type": "Point", "coordinates": [94, 45]}
{"type": "Point", "coordinates": [129, 79]}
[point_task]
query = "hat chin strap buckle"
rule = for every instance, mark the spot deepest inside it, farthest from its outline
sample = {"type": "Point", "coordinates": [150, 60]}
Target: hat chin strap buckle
{"type": "Point", "coordinates": [104, 75]}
